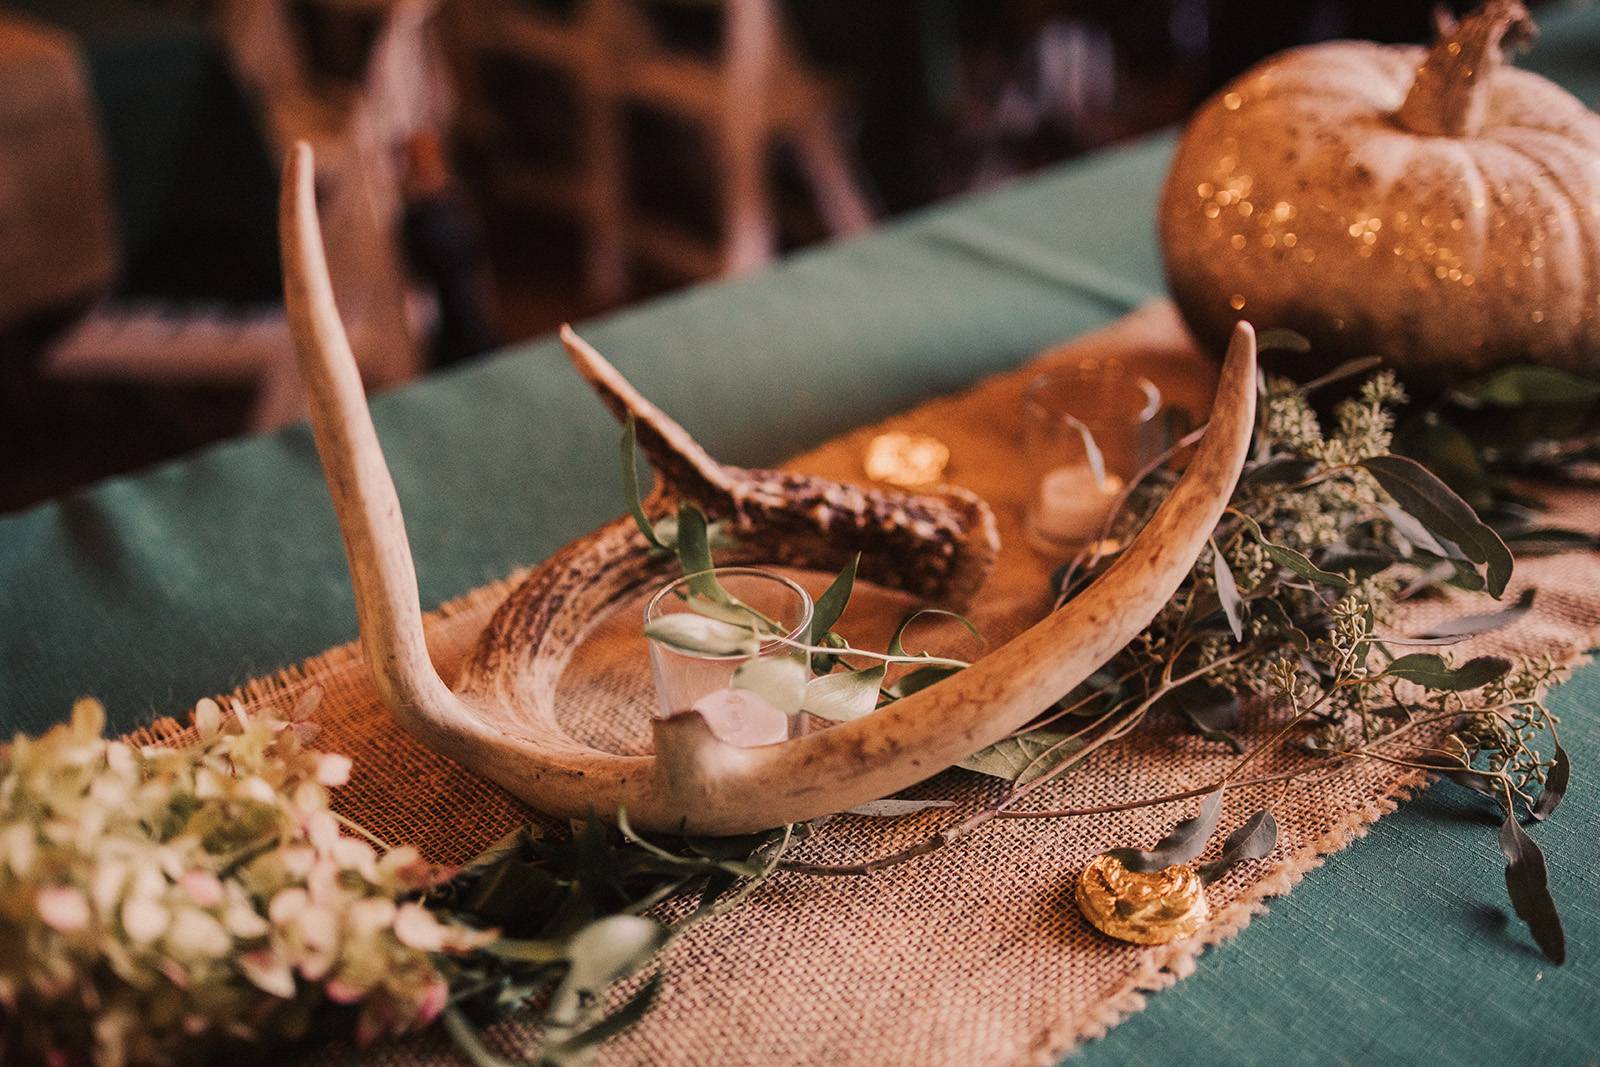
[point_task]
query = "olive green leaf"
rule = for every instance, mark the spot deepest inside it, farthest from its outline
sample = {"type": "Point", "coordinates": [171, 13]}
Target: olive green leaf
{"type": "Point", "coordinates": [1527, 883]}
{"type": "Point", "coordinates": [630, 485]}
{"type": "Point", "coordinates": [1435, 505]}
{"type": "Point", "coordinates": [1431, 670]}
{"type": "Point", "coordinates": [1186, 841]}
{"type": "Point", "coordinates": [846, 695]}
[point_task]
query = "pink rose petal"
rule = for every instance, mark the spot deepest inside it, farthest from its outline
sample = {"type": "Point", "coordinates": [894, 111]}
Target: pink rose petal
{"type": "Point", "coordinates": [740, 717]}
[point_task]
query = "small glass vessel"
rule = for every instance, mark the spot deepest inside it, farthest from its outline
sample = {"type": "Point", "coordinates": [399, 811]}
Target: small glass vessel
{"type": "Point", "coordinates": [685, 679]}
{"type": "Point", "coordinates": [1088, 428]}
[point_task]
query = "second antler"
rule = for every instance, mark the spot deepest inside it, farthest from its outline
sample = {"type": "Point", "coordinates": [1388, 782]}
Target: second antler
{"type": "Point", "coordinates": [500, 721]}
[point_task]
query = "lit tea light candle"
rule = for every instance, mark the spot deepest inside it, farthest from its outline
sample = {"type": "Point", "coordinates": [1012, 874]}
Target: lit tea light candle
{"type": "Point", "coordinates": [741, 718]}
{"type": "Point", "coordinates": [1073, 503]}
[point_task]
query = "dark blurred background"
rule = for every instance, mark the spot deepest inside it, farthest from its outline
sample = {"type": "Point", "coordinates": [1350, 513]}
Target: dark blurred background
{"type": "Point", "coordinates": [509, 164]}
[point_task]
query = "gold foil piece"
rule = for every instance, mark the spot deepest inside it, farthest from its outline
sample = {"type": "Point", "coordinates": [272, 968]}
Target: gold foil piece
{"type": "Point", "coordinates": [1146, 909]}
{"type": "Point", "coordinates": [907, 460]}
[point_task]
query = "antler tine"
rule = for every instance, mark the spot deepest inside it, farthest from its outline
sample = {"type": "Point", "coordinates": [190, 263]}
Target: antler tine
{"type": "Point", "coordinates": [676, 456]}
{"type": "Point", "coordinates": [364, 499]}
{"type": "Point", "coordinates": [504, 724]}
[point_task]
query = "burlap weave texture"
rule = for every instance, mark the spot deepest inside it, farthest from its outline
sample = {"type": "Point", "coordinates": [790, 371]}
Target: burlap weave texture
{"type": "Point", "coordinates": [975, 953]}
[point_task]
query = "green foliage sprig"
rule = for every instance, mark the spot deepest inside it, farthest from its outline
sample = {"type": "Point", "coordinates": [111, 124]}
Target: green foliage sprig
{"type": "Point", "coordinates": [1286, 617]}
{"type": "Point", "coordinates": [1327, 532]}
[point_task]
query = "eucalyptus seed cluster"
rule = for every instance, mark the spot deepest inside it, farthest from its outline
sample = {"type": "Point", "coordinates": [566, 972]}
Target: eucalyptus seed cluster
{"type": "Point", "coordinates": [1290, 608]}
{"type": "Point", "coordinates": [1506, 734]}
{"type": "Point", "coordinates": [155, 899]}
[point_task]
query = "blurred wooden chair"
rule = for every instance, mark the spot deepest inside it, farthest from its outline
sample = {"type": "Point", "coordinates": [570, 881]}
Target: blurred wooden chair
{"type": "Point", "coordinates": [360, 134]}
{"type": "Point", "coordinates": [755, 92]}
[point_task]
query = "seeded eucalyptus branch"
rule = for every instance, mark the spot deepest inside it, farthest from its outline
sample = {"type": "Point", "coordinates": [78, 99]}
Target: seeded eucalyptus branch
{"type": "Point", "coordinates": [1288, 614]}
{"type": "Point", "coordinates": [1292, 609]}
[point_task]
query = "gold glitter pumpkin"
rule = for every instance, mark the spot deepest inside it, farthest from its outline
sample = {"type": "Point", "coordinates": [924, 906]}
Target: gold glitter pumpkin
{"type": "Point", "coordinates": [1436, 207]}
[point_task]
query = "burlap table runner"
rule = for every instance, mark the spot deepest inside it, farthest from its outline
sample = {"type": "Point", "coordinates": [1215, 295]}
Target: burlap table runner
{"type": "Point", "coordinates": [975, 953]}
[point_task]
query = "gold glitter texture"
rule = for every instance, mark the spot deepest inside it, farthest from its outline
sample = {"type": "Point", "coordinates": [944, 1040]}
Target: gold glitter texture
{"type": "Point", "coordinates": [1303, 196]}
{"type": "Point", "coordinates": [906, 460]}
{"type": "Point", "coordinates": [1146, 909]}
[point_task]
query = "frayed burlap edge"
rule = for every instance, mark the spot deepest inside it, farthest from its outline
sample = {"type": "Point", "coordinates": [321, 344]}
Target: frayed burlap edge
{"type": "Point", "coordinates": [1166, 965]}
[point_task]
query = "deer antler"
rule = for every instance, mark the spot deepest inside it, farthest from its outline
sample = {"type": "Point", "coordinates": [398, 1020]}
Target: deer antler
{"type": "Point", "coordinates": [501, 721]}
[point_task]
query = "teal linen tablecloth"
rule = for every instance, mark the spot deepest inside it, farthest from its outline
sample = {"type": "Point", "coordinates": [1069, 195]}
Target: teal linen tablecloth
{"type": "Point", "coordinates": [152, 591]}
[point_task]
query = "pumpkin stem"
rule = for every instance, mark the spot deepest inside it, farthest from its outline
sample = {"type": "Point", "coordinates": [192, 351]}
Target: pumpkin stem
{"type": "Point", "coordinates": [1451, 92]}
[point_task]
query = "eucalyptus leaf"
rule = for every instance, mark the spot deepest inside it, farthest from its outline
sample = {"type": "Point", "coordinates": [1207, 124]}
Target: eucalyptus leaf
{"type": "Point", "coordinates": [1281, 340]}
{"type": "Point", "coordinates": [1348, 369]}
{"type": "Point", "coordinates": [1228, 593]}
{"type": "Point", "coordinates": [596, 867]}
{"type": "Point", "coordinates": [1280, 619]}
{"type": "Point", "coordinates": [1280, 470]}
{"type": "Point", "coordinates": [1023, 758]}
{"type": "Point", "coordinates": [1251, 841]}
{"type": "Point", "coordinates": [845, 696]}
{"type": "Point", "coordinates": [1416, 534]}
{"type": "Point", "coordinates": [469, 1044]}
{"type": "Point", "coordinates": [1528, 385]}
{"type": "Point", "coordinates": [1527, 883]}
{"type": "Point", "coordinates": [734, 860]}
{"type": "Point", "coordinates": [528, 950]}
{"type": "Point", "coordinates": [1362, 562]}
{"type": "Point", "coordinates": [699, 635]}
{"type": "Point", "coordinates": [630, 484]}
{"type": "Point", "coordinates": [893, 809]}
{"type": "Point", "coordinates": [831, 604]}
{"type": "Point", "coordinates": [1436, 506]}
{"type": "Point", "coordinates": [1555, 785]}
{"type": "Point", "coordinates": [576, 1049]}
{"type": "Point", "coordinates": [1186, 841]}
{"type": "Point", "coordinates": [1211, 710]}
{"type": "Point", "coordinates": [1293, 560]}
{"type": "Point", "coordinates": [1452, 768]}
{"type": "Point", "coordinates": [1548, 540]}
{"type": "Point", "coordinates": [1454, 456]}
{"type": "Point", "coordinates": [1431, 670]}
{"type": "Point", "coordinates": [599, 954]}
{"type": "Point", "coordinates": [1471, 625]}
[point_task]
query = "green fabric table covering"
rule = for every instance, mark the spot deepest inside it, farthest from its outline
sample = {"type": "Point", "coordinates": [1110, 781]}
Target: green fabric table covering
{"type": "Point", "coordinates": [151, 591]}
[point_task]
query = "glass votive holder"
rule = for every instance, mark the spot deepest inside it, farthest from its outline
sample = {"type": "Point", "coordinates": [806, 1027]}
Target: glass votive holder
{"type": "Point", "coordinates": [685, 680]}
{"type": "Point", "coordinates": [1088, 429]}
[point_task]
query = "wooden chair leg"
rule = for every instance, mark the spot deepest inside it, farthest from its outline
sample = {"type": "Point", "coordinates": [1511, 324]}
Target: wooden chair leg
{"type": "Point", "coordinates": [840, 202]}
{"type": "Point", "coordinates": [750, 38]}
{"type": "Point", "coordinates": [606, 257]}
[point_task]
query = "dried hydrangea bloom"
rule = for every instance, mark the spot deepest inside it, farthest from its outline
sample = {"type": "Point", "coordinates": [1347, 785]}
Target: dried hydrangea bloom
{"type": "Point", "coordinates": [155, 898]}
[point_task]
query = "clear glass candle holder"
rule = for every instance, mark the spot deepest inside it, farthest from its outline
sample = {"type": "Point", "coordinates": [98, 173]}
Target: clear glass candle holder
{"type": "Point", "coordinates": [682, 678]}
{"type": "Point", "coordinates": [1088, 429]}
